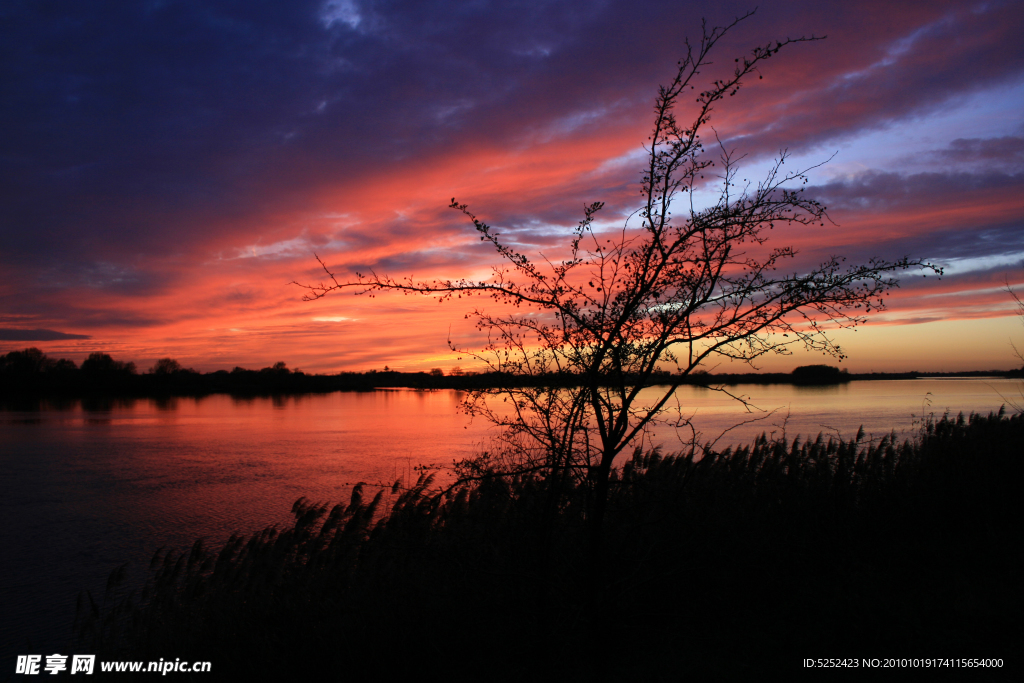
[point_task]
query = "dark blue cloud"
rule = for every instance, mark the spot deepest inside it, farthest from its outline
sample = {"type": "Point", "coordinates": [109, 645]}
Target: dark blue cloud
{"type": "Point", "coordinates": [884, 65]}
{"type": "Point", "coordinates": [10, 334]}
{"type": "Point", "coordinates": [1005, 153]}
{"type": "Point", "coordinates": [131, 128]}
{"type": "Point", "coordinates": [971, 242]}
{"type": "Point", "coordinates": [879, 191]}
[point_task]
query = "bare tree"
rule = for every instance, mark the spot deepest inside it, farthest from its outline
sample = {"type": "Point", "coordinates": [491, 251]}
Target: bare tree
{"type": "Point", "coordinates": [1020, 310]}
{"type": "Point", "coordinates": [683, 287]}
{"type": "Point", "coordinates": [1016, 403]}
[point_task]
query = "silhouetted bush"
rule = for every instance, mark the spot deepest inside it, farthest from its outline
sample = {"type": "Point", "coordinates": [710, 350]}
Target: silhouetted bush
{"type": "Point", "coordinates": [819, 374]}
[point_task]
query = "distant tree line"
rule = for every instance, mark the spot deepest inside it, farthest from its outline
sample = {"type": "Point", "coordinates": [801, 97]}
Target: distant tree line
{"type": "Point", "coordinates": [31, 372]}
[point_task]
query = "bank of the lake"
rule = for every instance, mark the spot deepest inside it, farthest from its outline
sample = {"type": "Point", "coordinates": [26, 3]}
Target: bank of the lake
{"type": "Point", "coordinates": [740, 565]}
{"type": "Point", "coordinates": [28, 376]}
{"type": "Point", "coordinates": [96, 482]}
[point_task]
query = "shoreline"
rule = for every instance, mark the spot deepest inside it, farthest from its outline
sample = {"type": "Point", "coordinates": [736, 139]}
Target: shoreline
{"type": "Point", "coordinates": [261, 383]}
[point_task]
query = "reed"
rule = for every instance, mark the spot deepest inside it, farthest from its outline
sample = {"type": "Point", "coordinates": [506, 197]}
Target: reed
{"type": "Point", "coordinates": [720, 565]}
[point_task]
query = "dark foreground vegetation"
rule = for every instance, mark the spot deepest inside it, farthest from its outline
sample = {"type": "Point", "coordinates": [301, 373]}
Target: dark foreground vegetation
{"type": "Point", "coordinates": [31, 374]}
{"type": "Point", "coordinates": [732, 566]}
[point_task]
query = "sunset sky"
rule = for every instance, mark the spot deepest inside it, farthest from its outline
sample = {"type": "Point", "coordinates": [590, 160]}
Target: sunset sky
{"type": "Point", "coordinates": [169, 167]}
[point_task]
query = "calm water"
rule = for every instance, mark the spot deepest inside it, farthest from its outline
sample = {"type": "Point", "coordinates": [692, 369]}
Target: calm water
{"type": "Point", "coordinates": [88, 487]}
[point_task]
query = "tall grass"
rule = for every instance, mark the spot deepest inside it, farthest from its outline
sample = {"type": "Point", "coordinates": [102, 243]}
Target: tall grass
{"type": "Point", "coordinates": [743, 559]}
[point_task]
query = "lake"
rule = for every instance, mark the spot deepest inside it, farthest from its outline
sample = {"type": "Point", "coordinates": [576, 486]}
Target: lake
{"type": "Point", "coordinates": [88, 486]}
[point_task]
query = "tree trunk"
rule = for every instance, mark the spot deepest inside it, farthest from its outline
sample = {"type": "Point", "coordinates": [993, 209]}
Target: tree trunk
{"type": "Point", "coordinates": [595, 569]}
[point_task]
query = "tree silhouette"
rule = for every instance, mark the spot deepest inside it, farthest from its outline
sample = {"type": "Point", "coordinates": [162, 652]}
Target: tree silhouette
{"type": "Point", "coordinates": [1017, 403]}
{"type": "Point", "coordinates": [686, 286]}
{"type": "Point", "coordinates": [166, 366]}
{"type": "Point", "coordinates": [1019, 352]}
{"type": "Point", "coordinates": [25, 363]}
{"type": "Point", "coordinates": [101, 365]}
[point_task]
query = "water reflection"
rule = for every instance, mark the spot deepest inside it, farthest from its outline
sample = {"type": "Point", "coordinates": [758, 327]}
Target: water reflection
{"type": "Point", "coordinates": [105, 404]}
{"type": "Point", "coordinates": [167, 403]}
{"type": "Point", "coordinates": [91, 483]}
{"type": "Point", "coordinates": [821, 388]}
